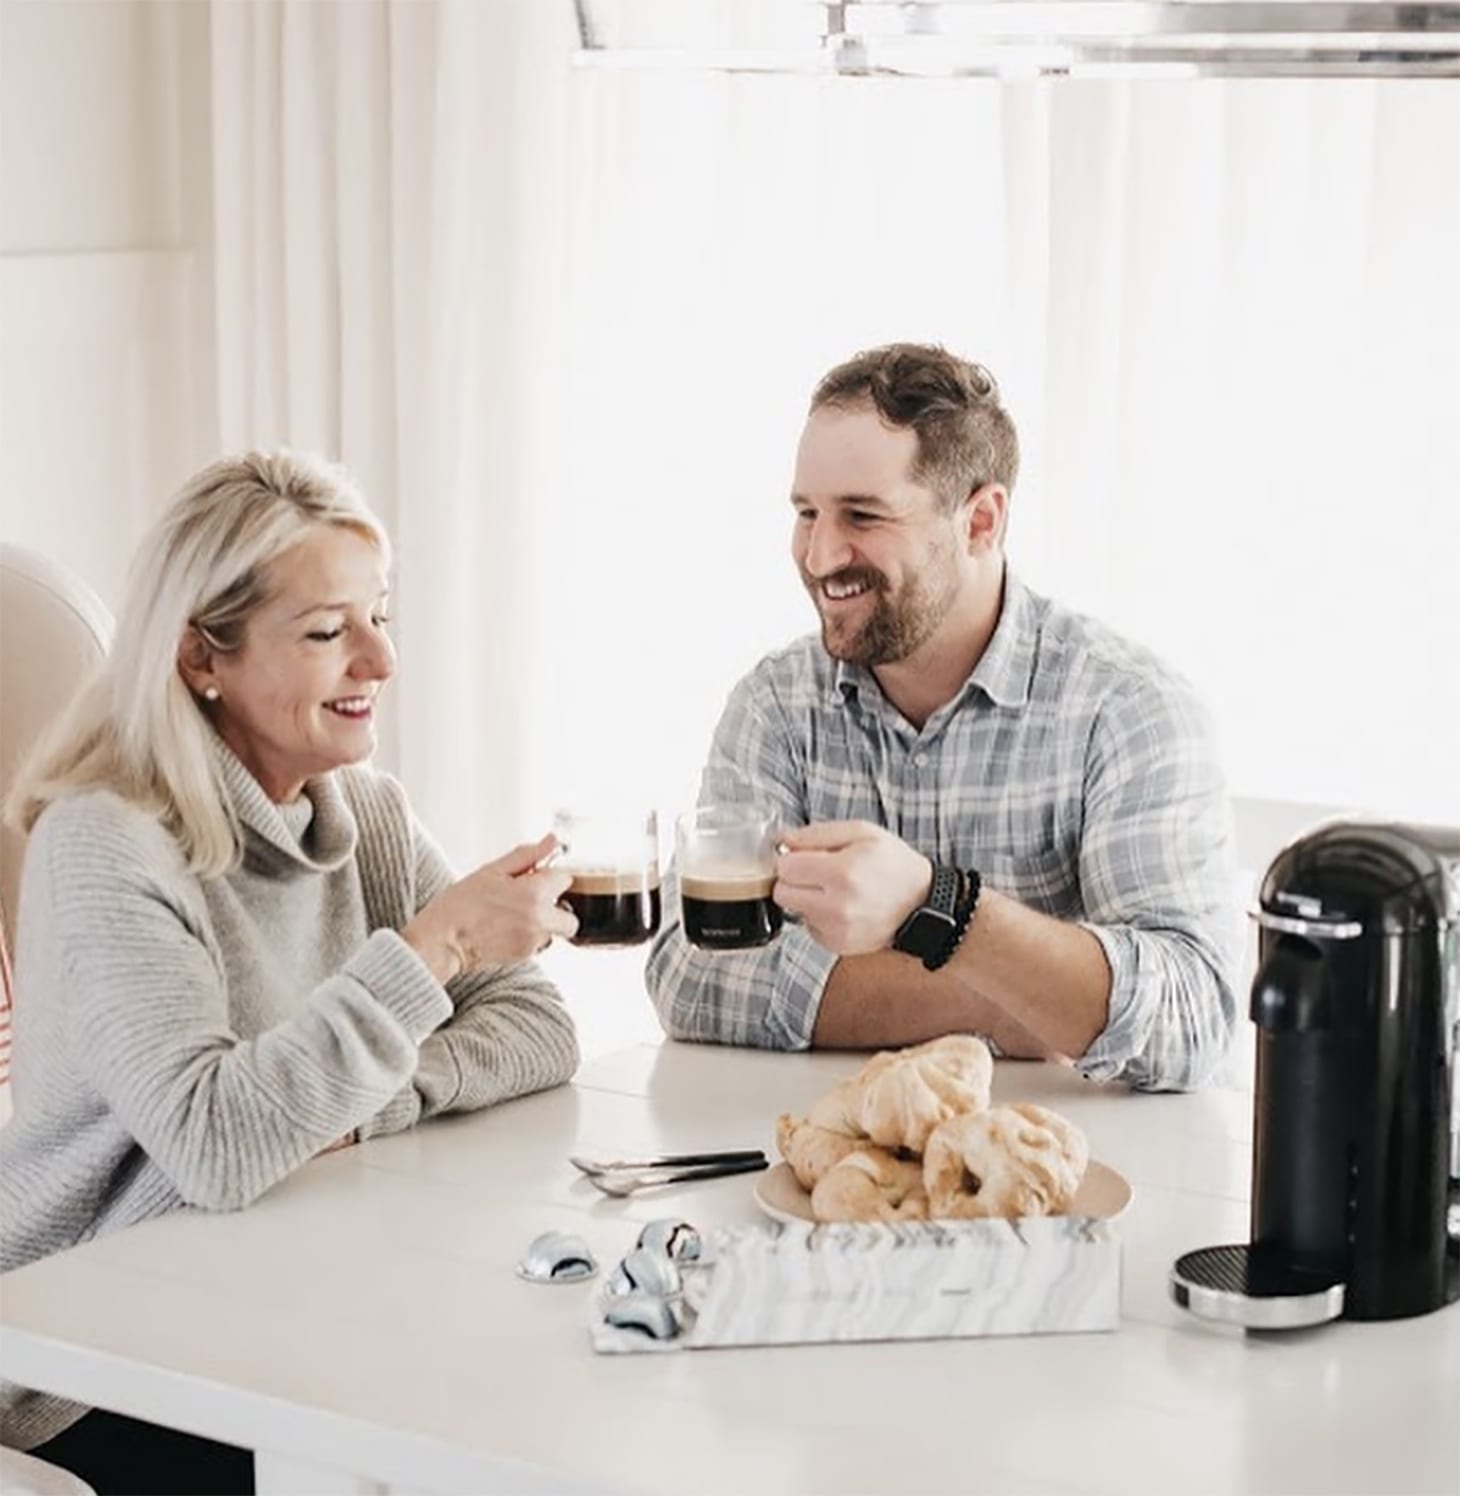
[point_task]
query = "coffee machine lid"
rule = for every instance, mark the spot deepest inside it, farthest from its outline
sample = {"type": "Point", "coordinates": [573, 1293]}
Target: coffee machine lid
{"type": "Point", "coordinates": [1347, 878]}
{"type": "Point", "coordinates": [1243, 1285]}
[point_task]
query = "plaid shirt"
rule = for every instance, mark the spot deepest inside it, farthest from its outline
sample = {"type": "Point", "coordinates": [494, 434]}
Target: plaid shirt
{"type": "Point", "coordinates": [1074, 770]}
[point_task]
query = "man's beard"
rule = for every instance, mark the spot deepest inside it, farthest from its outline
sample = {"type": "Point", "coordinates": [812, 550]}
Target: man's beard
{"type": "Point", "coordinates": [898, 625]}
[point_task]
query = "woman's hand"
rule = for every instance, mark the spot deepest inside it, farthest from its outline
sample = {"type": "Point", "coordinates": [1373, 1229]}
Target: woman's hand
{"type": "Point", "coordinates": [505, 911]}
{"type": "Point", "coordinates": [348, 1141]}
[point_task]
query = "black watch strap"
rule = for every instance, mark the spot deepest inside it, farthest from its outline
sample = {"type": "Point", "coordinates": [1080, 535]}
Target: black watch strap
{"type": "Point", "coordinates": [944, 890]}
{"type": "Point", "coordinates": [965, 902]}
{"type": "Point", "coordinates": [932, 931]}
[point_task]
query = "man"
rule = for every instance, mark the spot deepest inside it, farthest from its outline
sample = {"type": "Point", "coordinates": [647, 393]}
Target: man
{"type": "Point", "coordinates": [1010, 821]}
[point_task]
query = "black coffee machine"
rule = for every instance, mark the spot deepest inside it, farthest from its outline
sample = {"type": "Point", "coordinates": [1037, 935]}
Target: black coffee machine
{"type": "Point", "coordinates": [1356, 1145]}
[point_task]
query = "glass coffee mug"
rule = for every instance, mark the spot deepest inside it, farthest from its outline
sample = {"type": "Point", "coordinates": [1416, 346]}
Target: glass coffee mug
{"type": "Point", "coordinates": [614, 860]}
{"type": "Point", "coordinates": [726, 857]}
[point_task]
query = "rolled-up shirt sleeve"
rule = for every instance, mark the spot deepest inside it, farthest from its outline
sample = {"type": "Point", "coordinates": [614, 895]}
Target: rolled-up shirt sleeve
{"type": "Point", "coordinates": [766, 998]}
{"type": "Point", "coordinates": [1158, 884]}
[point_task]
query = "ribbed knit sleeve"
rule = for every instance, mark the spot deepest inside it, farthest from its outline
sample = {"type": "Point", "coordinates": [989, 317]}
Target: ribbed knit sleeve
{"type": "Point", "coordinates": [145, 1009]}
{"type": "Point", "coordinates": [509, 1033]}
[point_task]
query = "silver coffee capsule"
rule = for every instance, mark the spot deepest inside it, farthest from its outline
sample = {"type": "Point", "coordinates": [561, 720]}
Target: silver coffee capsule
{"type": "Point", "coordinates": [677, 1240]}
{"type": "Point", "coordinates": [645, 1271]}
{"type": "Point", "coordinates": [557, 1257]}
{"type": "Point", "coordinates": [648, 1313]}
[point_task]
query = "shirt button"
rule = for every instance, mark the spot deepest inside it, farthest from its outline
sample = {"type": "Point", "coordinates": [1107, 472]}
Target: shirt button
{"type": "Point", "coordinates": [920, 759]}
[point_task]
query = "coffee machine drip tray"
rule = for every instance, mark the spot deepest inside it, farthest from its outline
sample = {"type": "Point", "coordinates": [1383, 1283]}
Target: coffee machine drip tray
{"type": "Point", "coordinates": [1243, 1285]}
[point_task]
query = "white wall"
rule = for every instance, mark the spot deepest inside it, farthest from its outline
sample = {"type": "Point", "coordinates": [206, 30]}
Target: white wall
{"type": "Point", "coordinates": [105, 284]}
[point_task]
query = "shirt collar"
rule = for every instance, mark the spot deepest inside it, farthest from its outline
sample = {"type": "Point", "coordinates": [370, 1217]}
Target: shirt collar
{"type": "Point", "coordinates": [847, 682]}
{"type": "Point", "coordinates": [1003, 671]}
{"type": "Point", "coordinates": [1006, 666]}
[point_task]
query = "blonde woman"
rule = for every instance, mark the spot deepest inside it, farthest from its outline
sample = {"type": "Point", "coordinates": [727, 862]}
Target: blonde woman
{"type": "Point", "coordinates": [236, 948]}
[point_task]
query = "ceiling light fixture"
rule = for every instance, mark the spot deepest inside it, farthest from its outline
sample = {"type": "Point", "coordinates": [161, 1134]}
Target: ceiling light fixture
{"type": "Point", "coordinates": [1022, 38]}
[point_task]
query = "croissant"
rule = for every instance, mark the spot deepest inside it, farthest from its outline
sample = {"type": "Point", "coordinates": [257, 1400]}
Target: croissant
{"type": "Point", "coordinates": [1019, 1160]}
{"type": "Point", "coordinates": [871, 1185]}
{"type": "Point", "coordinates": [905, 1094]}
{"type": "Point", "coordinates": [963, 1056]}
{"type": "Point", "coordinates": [838, 1109]}
{"type": "Point", "coordinates": [810, 1150]}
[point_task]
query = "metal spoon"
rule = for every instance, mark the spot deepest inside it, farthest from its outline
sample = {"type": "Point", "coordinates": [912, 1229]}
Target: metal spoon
{"type": "Point", "coordinates": [622, 1184]}
{"type": "Point", "coordinates": [664, 1161]}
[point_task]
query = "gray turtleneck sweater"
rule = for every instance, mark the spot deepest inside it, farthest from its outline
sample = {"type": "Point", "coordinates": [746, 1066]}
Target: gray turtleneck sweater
{"type": "Point", "coordinates": [191, 1042]}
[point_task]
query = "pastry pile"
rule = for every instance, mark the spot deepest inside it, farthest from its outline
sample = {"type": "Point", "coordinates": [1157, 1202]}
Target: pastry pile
{"type": "Point", "coordinates": [912, 1137]}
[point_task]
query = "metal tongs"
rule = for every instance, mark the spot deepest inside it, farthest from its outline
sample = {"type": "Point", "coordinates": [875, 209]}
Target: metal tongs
{"type": "Point", "coordinates": [625, 1176]}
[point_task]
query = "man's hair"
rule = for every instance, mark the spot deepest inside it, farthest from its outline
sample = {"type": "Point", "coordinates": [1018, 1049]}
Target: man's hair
{"type": "Point", "coordinates": [965, 436]}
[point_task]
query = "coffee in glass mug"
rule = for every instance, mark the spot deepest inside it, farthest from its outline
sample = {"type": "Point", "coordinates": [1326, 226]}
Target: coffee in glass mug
{"type": "Point", "coordinates": [614, 860]}
{"type": "Point", "coordinates": [726, 857]}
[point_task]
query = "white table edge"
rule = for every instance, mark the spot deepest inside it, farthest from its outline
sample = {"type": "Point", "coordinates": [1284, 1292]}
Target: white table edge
{"type": "Point", "coordinates": [292, 1437]}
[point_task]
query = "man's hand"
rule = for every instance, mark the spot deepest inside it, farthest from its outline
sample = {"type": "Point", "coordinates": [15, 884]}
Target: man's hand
{"type": "Point", "coordinates": [852, 883]}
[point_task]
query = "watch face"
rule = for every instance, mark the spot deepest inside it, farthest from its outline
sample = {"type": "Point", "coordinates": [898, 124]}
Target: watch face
{"type": "Point", "coordinates": [925, 934]}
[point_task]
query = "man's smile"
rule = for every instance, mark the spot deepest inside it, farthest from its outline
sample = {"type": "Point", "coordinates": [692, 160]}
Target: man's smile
{"type": "Point", "coordinates": [841, 591]}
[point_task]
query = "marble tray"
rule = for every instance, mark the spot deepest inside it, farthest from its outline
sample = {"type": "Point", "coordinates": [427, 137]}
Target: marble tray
{"type": "Point", "coordinates": [792, 1283]}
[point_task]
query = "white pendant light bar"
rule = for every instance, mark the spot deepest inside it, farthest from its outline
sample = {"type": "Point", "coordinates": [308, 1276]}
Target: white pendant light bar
{"type": "Point", "coordinates": [1011, 38]}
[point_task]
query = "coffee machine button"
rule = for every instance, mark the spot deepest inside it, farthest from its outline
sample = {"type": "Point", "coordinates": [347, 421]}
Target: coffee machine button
{"type": "Point", "coordinates": [1455, 1104]}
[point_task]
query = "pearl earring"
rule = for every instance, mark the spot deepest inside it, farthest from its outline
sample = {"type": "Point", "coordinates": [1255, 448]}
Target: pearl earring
{"type": "Point", "coordinates": [211, 693]}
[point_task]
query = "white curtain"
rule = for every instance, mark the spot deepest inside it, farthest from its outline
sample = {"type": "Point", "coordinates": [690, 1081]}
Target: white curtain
{"type": "Point", "coordinates": [563, 324]}
{"type": "Point", "coordinates": [384, 271]}
{"type": "Point", "coordinates": [1226, 318]}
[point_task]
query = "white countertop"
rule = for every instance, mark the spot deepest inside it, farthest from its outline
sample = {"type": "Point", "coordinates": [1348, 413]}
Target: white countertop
{"type": "Point", "coordinates": [362, 1326]}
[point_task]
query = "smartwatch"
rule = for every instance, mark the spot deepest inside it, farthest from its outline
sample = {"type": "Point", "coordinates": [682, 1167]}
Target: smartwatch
{"type": "Point", "coordinates": [931, 932]}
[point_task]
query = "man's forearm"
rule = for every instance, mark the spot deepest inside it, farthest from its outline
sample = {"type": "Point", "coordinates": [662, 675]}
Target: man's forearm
{"type": "Point", "coordinates": [1036, 985]}
{"type": "Point", "coordinates": [888, 1000]}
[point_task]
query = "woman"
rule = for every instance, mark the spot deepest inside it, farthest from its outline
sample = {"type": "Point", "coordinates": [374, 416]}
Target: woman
{"type": "Point", "coordinates": [202, 1006]}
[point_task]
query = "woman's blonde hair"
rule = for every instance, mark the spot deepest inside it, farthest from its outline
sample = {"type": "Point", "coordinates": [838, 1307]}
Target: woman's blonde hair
{"type": "Point", "coordinates": [137, 729]}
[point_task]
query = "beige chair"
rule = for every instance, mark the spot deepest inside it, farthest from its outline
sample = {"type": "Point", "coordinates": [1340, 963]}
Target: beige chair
{"type": "Point", "coordinates": [24, 1475]}
{"type": "Point", "coordinates": [7, 994]}
{"type": "Point", "coordinates": [54, 632]}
